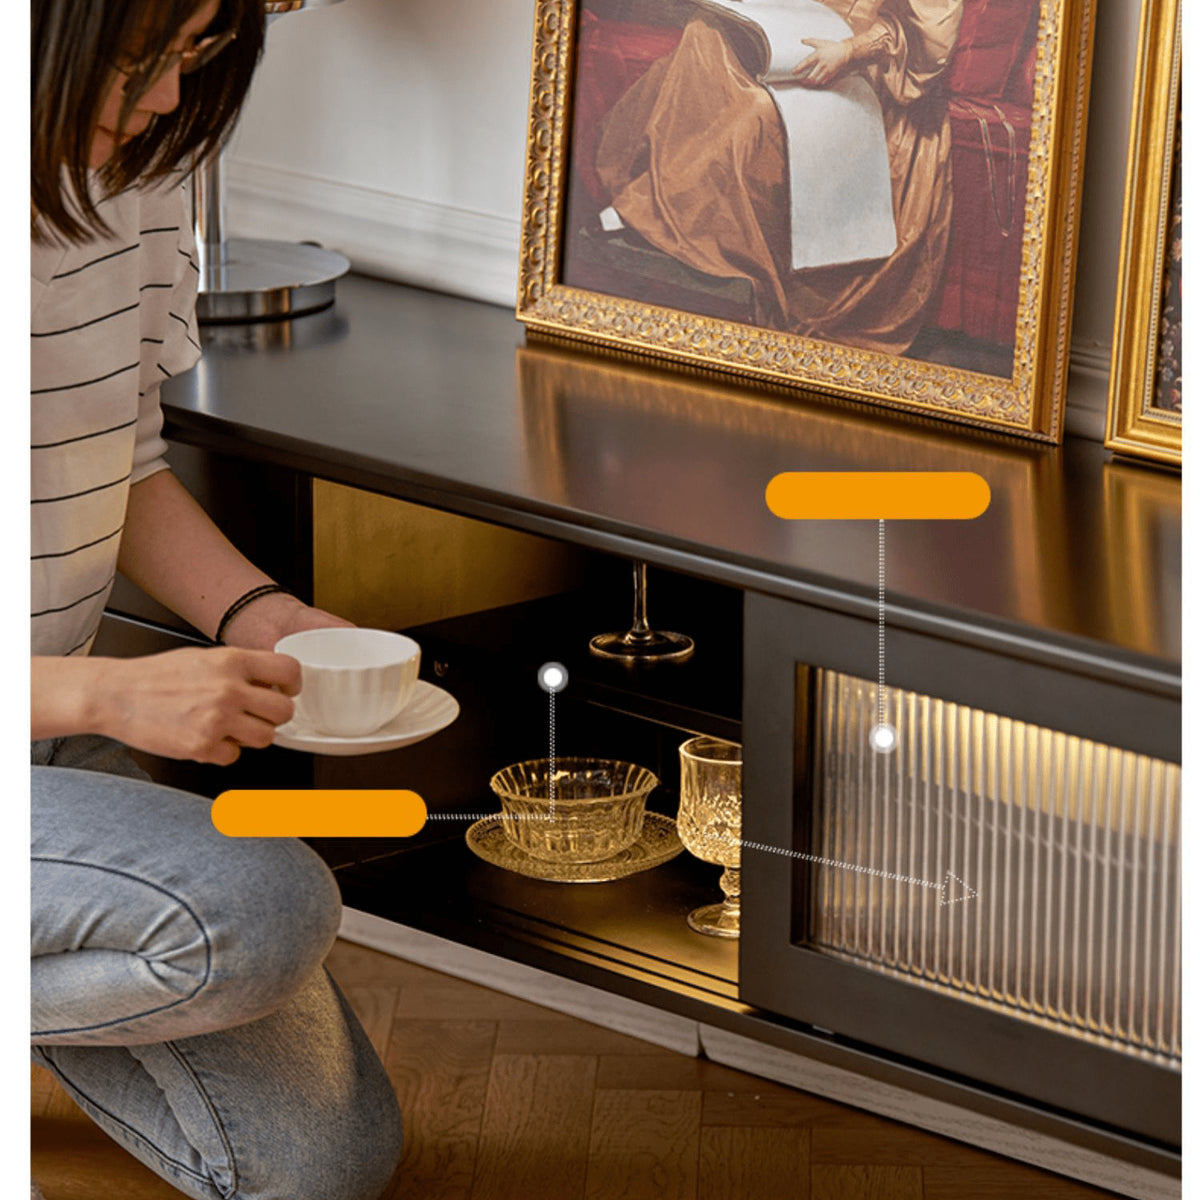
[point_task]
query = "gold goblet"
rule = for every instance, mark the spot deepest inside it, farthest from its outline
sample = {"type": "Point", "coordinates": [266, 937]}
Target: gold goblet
{"type": "Point", "coordinates": [710, 824]}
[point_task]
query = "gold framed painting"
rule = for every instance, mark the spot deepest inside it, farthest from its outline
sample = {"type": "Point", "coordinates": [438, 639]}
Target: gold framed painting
{"type": "Point", "coordinates": [1145, 398]}
{"type": "Point", "coordinates": [870, 198]}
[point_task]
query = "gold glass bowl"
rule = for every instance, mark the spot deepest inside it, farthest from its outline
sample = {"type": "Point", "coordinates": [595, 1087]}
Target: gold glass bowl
{"type": "Point", "coordinates": [594, 809]}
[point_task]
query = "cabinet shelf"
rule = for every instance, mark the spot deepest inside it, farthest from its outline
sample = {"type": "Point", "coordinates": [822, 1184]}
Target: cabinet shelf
{"type": "Point", "coordinates": [634, 929]}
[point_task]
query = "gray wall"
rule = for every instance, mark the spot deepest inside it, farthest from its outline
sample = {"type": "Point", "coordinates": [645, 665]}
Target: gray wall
{"type": "Point", "coordinates": [395, 132]}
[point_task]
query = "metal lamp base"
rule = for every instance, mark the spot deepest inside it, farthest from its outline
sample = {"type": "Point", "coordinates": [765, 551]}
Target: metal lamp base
{"type": "Point", "coordinates": [260, 280]}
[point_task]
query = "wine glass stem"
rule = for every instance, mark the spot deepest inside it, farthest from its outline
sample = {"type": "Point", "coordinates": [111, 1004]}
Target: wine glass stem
{"type": "Point", "coordinates": [731, 885]}
{"type": "Point", "coordinates": [641, 626]}
{"type": "Point", "coordinates": [640, 643]}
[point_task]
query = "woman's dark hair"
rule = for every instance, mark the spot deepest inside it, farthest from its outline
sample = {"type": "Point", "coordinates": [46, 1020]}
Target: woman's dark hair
{"type": "Point", "coordinates": [75, 44]}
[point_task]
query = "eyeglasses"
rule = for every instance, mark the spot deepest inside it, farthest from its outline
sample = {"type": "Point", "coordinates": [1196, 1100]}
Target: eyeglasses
{"type": "Point", "coordinates": [148, 71]}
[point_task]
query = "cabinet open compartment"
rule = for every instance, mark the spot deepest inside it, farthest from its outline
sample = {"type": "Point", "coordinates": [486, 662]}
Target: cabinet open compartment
{"type": "Point", "coordinates": [628, 935]}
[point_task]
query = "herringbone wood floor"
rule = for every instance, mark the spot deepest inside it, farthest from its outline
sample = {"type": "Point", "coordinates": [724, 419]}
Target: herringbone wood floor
{"type": "Point", "coordinates": [504, 1100]}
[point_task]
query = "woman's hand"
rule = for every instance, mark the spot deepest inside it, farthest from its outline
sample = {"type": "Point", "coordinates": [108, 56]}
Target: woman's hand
{"type": "Point", "coordinates": [264, 621]}
{"type": "Point", "coordinates": [827, 61]}
{"type": "Point", "coordinates": [202, 704]}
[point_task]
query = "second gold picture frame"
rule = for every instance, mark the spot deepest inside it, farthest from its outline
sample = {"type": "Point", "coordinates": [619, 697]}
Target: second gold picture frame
{"type": "Point", "coordinates": [875, 199]}
{"type": "Point", "coordinates": [1145, 404]}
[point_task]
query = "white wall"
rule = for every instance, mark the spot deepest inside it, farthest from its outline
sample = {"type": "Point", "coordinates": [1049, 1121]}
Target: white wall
{"type": "Point", "coordinates": [395, 132]}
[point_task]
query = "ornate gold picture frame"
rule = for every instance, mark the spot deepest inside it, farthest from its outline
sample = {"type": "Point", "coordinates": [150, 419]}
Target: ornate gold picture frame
{"type": "Point", "coordinates": [887, 215]}
{"type": "Point", "coordinates": [1145, 398]}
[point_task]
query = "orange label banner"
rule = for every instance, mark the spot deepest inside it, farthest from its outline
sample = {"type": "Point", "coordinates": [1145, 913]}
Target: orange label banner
{"type": "Point", "coordinates": [878, 495]}
{"type": "Point", "coordinates": [315, 812]}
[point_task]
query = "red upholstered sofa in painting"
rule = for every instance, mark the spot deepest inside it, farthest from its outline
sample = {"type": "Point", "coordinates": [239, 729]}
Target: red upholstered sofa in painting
{"type": "Point", "coordinates": [990, 90]}
{"type": "Point", "coordinates": [990, 85]}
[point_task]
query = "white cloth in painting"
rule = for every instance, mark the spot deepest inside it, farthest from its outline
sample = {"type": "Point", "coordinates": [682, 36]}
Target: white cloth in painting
{"type": "Point", "coordinates": [841, 185]}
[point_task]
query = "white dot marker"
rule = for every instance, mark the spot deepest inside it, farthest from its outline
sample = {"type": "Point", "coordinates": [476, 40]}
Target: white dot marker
{"type": "Point", "coordinates": [882, 739]}
{"type": "Point", "coordinates": [552, 677]}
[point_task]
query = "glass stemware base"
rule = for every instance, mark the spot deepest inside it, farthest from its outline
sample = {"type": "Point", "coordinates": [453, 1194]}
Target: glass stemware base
{"type": "Point", "coordinates": [652, 645]}
{"type": "Point", "coordinates": [640, 643]}
{"type": "Point", "coordinates": [721, 920]}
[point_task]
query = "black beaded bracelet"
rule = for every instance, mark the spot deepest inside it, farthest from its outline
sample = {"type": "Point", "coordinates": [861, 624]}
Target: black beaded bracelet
{"type": "Point", "coordinates": [263, 589]}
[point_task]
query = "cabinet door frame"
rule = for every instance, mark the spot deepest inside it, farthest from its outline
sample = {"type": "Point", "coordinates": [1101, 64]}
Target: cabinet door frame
{"type": "Point", "coordinates": [785, 643]}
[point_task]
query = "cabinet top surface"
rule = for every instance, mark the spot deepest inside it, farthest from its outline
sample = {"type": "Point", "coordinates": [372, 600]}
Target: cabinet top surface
{"type": "Point", "coordinates": [445, 402]}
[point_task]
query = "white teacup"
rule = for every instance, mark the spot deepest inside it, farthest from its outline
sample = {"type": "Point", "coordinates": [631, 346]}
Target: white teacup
{"type": "Point", "coordinates": [353, 681]}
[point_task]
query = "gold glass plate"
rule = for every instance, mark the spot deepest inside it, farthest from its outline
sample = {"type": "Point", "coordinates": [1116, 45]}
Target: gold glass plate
{"type": "Point", "coordinates": [658, 843]}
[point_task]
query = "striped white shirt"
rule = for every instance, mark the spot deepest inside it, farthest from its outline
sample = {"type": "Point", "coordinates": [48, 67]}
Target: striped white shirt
{"type": "Point", "coordinates": [111, 319]}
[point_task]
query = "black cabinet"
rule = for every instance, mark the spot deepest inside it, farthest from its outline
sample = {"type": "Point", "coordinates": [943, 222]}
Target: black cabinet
{"type": "Point", "coordinates": [1033, 674]}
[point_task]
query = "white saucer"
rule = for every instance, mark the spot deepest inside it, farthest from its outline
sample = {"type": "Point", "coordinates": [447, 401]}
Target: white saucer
{"type": "Point", "coordinates": [429, 710]}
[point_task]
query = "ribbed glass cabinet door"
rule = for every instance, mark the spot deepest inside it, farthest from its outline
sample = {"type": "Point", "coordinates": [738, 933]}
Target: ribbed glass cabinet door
{"type": "Point", "coordinates": [1017, 868]}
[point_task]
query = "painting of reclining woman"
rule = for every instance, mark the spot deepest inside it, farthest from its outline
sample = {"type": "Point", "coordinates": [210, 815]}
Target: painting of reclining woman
{"type": "Point", "coordinates": [851, 171]}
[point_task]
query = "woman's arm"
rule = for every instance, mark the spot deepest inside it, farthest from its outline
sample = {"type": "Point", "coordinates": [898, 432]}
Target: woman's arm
{"type": "Point", "coordinates": [198, 703]}
{"type": "Point", "coordinates": [173, 551]}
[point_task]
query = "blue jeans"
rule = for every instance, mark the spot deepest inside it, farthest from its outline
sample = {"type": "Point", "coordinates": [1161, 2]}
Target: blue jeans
{"type": "Point", "coordinates": [178, 993]}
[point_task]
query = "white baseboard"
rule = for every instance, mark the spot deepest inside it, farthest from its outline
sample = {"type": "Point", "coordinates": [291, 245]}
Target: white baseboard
{"type": "Point", "coordinates": [474, 254]}
{"type": "Point", "coordinates": [412, 241]}
{"type": "Point", "coordinates": [1087, 391]}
